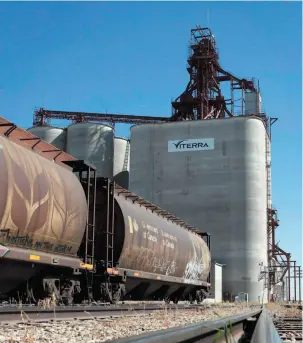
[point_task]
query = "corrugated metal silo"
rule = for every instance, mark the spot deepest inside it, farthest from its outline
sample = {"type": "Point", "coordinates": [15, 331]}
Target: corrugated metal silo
{"type": "Point", "coordinates": [121, 161]}
{"type": "Point", "coordinates": [93, 143]}
{"type": "Point", "coordinates": [53, 135]}
{"type": "Point", "coordinates": [211, 173]}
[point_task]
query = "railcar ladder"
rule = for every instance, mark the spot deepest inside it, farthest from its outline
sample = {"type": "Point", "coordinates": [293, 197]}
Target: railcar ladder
{"type": "Point", "coordinates": [89, 181]}
{"type": "Point", "coordinates": [87, 177]}
{"type": "Point", "coordinates": [110, 224]}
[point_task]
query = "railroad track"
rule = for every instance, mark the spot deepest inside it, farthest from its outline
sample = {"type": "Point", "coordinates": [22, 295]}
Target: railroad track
{"type": "Point", "coordinates": [289, 328]}
{"type": "Point", "coordinates": [23, 314]}
{"type": "Point", "coordinates": [237, 328]}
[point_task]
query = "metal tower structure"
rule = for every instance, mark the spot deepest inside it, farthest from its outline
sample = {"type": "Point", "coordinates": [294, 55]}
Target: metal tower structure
{"type": "Point", "coordinates": [203, 98]}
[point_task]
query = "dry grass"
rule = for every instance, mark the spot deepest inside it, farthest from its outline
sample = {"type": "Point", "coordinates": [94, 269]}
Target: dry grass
{"type": "Point", "coordinates": [48, 303]}
{"type": "Point", "coordinates": [98, 330]}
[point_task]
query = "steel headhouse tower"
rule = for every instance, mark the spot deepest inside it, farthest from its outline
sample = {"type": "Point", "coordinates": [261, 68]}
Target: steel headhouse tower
{"type": "Point", "coordinates": [202, 98]}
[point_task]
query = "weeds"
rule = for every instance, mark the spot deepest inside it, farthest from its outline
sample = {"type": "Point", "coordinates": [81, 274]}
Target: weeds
{"type": "Point", "coordinates": [125, 326]}
{"type": "Point", "coordinates": [226, 332]}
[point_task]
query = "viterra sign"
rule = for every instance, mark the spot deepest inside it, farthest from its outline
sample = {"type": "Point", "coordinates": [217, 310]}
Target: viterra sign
{"type": "Point", "coordinates": [191, 145]}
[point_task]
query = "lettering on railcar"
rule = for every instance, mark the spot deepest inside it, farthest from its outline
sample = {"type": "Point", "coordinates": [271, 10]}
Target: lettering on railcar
{"type": "Point", "coordinates": [62, 249]}
{"type": "Point", "coordinates": [168, 244]}
{"type": "Point", "coordinates": [150, 237]}
{"type": "Point", "coordinates": [151, 228]}
{"type": "Point", "coordinates": [152, 234]}
{"type": "Point", "coordinates": [168, 236]}
{"type": "Point", "coordinates": [38, 245]}
{"type": "Point", "coordinates": [28, 242]}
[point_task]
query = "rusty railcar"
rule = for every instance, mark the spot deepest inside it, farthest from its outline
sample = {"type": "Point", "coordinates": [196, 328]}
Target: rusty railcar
{"type": "Point", "coordinates": [80, 238]}
{"type": "Point", "coordinates": [160, 255]}
{"type": "Point", "coordinates": [42, 214]}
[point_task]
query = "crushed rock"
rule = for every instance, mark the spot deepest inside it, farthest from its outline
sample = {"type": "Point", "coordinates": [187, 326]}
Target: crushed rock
{"type": "Point", "coordinates": [101, 330]}
{"type": "Point", "coordinates": [284, 310]}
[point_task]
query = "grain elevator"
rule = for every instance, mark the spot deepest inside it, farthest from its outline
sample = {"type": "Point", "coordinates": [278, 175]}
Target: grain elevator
{"type": "Point", "coordinates": [213, 174]}
{"type": "Point", "coordinates": [208, 163]}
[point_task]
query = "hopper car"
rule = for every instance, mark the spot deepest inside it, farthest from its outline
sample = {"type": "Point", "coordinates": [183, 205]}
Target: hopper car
{"type": "Point", "coordinates": [66, 234]}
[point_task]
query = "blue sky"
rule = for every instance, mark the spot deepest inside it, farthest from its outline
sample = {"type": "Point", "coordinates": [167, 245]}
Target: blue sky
{"type": "Point", "coordinates": [131, 58]}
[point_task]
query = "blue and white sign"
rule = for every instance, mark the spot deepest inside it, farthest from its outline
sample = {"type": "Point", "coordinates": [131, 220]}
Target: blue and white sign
{"type": "Point", "coordinates": [191, 145]}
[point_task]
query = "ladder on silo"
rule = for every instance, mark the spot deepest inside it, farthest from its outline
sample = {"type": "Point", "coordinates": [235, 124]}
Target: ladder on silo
{"type": "Point", "coordinates": [268, 171]}
{"type": "Point", "coordinates": [267, 284]}
{"type": "Point", "coordinates": [125, 163]}
{"type": "Point", "coordinates": [268, 191]}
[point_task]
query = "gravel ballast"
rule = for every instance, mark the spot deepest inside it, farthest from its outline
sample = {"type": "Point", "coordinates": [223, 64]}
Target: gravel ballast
{"type": "Point", "coordinates": [280, 313]}
{"type": "Point", "coordinates": [289, 311]}
{"type": "Point", "coordinates": [101, 330]}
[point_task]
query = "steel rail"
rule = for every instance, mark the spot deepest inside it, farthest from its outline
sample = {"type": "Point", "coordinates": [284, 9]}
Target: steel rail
{"type": "Point", "coordinates": [201, 332]}
{"type": "Point", "coordinates": [38, 313]}
{"type": "Point", "coordinates": [265, 330]}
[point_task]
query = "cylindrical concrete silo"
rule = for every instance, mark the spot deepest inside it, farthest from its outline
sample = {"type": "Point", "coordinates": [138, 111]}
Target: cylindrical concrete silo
{"type": "Point", "coordinates": [121, 161]}
{"type": "Point", "coordinates": [211, 173]}
{"type": "Point", "coordinates": [52, 135]}
{"type": "Point", "coordinates": [93, 143]}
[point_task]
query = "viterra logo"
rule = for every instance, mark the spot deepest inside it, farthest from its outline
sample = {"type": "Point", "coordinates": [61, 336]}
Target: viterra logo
{"type": "Point", "coordinates": [191, 145]}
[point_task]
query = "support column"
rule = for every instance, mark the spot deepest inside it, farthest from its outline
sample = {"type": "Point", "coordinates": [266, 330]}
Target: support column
{"type": "Point", "coordinates": [299, 267]}
{"type": "Point", "coordinates": [295, 280]}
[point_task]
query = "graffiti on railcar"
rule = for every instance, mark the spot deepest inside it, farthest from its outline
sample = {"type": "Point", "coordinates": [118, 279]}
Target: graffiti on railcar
{"type": "Point", "coordinates": [8, 237]}
{"type": "Point", "coordinates": [155, 245]}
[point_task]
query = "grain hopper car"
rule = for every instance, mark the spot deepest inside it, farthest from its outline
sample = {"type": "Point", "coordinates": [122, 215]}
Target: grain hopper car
{"type": "Point", "coordinates": [67, 234]}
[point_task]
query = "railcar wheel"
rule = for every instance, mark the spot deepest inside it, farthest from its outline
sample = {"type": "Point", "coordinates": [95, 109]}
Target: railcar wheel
{"type": "Point", "coordinates": [176, 300]}
{"type": "Point", "coordinates": [35, 291]}
{"type": "Point", "coordinates": [199, 297]}
{"type": "Point", "coordinates": [191, 298]}
{"type": "Point", "coordinates": [104, 293]}
{"type": "Point", "coordinates": [167, 300]}
{"type": "Point", "coordinates": [116, 296]}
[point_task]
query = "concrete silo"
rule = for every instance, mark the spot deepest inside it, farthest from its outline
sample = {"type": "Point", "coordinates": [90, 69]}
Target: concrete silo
{"type": "Point", "coordinates": [211, 173]}
{"type": "Point", "coordinates": [93, 143]}
{"type": "Point", "coordinates": [52, 135]}
{"type": "Point", "coordinates": [121, 161]}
